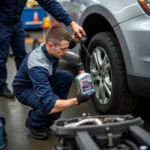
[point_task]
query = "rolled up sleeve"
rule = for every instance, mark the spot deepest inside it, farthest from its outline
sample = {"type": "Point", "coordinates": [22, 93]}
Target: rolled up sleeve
{"type": "Point", "coordinates": [42, 88]}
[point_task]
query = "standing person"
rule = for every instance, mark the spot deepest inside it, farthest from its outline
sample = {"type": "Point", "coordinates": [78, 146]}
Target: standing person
{"type": "Point", "coordinates": [12, 33]}
{"type": "Point", "coordinates": [37, 83]}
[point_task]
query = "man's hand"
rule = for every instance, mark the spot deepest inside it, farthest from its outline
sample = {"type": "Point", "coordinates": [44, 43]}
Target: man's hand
{"type": "Point", "coordinates": [77, 29]}
{"type": "Point", "coordinates": [84, 98]}
{"type": "Point", "coordinates": [75, 38]}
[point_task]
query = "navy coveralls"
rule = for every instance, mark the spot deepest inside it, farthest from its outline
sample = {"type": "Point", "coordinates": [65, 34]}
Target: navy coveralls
{"type": "Point", "coordinates": [12, 31]}
{"type": "Point", "coordinates": [39, 85]}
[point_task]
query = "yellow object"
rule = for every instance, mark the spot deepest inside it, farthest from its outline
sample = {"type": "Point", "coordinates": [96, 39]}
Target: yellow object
{"type": "Point", "coordinates": [46, 22]}
{"type": "Point", "coordinates": [31, 3]}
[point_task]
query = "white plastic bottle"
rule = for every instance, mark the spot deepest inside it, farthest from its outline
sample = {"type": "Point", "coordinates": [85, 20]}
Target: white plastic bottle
{"type": "Point", "coordinates": [84, 81]}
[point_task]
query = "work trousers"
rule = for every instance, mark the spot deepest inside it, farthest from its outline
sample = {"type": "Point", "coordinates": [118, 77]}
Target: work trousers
{"type": "Point", "coordinates": [60, 83]}
{"type": "Point", "coordinates": [11, 36]}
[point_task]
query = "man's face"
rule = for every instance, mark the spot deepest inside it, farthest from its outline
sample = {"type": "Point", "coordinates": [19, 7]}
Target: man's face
{"type": "Point", "coordinates": [60, 50]}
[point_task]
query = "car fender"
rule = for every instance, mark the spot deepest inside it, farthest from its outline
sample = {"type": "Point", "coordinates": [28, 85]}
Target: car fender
{"type": "Point", "coordinates": [120, 12]}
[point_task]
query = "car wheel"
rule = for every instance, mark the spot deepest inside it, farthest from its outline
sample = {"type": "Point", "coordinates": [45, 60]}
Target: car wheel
{"type": "Point", "coordinates": [109, 75]}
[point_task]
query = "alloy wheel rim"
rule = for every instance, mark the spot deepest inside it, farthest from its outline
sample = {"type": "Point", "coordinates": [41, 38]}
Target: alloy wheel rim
{"type": "Point", "coordinates": [101, 73]}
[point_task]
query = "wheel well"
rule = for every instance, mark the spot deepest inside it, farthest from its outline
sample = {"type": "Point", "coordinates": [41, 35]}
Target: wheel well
{"type": "Point", "coordinates": [96, 23]}
{"type": "Point", "coordinates": [93, 24]}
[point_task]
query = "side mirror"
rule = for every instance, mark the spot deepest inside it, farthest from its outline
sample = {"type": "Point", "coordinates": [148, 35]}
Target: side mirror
{"type": "Point", "coordinates": [72, 0]}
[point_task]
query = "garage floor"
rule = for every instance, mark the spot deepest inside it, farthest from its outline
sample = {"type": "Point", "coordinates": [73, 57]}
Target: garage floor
{"type": "Point", "coordinates": [15, 114]}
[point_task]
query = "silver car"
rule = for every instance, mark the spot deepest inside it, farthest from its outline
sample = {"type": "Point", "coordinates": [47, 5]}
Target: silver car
{"type": "Point", "coordinates": [118, 33]}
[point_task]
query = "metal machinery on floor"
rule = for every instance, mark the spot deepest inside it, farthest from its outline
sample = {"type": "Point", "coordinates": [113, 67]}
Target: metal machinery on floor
{"type": "Point", "coordinates": [109, 132]}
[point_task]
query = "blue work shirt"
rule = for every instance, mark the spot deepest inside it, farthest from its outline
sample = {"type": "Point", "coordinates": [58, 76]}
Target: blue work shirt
{"type": "Point", "coordinates": [10, 11]}
{"type": "Point", "coordinates": [36, 71]}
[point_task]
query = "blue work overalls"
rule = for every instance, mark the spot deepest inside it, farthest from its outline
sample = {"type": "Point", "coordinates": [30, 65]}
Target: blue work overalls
{"type": "Point", "coordinates": [12, 31]}
{"type": "Point", "coordinates": [10, 36]}
{"type": "Point", "coordinates": [40, 85]}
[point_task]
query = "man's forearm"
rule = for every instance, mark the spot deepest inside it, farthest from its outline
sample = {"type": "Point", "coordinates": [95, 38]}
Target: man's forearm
{"type": "Point", "coordinates": [56, 10]}
{"type": "Point", "coordinates": [61, 105]}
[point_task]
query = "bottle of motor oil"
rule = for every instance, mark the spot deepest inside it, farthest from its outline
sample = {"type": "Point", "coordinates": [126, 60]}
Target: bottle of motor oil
{"type": "Point", "coordinates": [84, 81]}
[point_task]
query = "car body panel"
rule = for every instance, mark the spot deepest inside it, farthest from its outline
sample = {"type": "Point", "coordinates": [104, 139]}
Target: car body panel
{"type": "Point", "coordinates": [131, 26]}
{"type": "Point", "coordinates": [133, 37]}
{"type": "Point", "coordinates": [114, 11]}
{"type": "Point", "coordinates": [127, 19]}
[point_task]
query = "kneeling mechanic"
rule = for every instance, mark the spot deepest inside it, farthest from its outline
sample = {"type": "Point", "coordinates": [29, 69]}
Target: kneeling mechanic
{"type": "Point", "coordinates": [37, 83]}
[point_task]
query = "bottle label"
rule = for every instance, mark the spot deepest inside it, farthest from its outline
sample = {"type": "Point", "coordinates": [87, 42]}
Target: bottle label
{"type": "Point", "coordinates": [87, 86]}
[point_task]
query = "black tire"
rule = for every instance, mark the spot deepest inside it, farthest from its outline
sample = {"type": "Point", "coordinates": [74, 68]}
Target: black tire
{"type": "Point", "coordinates": [121, 100]}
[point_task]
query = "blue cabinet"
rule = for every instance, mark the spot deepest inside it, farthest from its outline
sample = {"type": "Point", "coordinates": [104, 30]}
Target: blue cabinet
{"type": "Point", "coordinates": [28, 17]}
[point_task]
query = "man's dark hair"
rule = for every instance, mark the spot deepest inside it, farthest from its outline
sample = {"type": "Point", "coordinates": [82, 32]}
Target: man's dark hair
{"type": "Point", "coordinates": [56, 34]}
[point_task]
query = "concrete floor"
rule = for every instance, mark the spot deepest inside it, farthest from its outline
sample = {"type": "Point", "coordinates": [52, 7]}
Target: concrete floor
{"type": "Point", "coordinates": [16, 113]}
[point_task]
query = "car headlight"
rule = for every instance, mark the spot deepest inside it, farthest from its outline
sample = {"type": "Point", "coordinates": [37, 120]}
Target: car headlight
{"type": "Point", "coordinates": [145, 4]}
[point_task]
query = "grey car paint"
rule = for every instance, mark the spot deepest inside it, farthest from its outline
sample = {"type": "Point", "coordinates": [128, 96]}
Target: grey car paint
{"type": "Point", "coordinates": [134, 36]}
{"type": "Point", "coordinates": [130, 24]}
{"type": "Point", "coordinates": [114, 11]}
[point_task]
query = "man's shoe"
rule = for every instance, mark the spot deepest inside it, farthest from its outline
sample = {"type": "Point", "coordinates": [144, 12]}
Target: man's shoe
{"type": "Point", "coordinates": [5, 92]}
{"type": "Point", "coordinates": [39, 133]}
